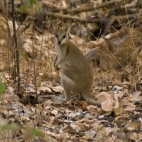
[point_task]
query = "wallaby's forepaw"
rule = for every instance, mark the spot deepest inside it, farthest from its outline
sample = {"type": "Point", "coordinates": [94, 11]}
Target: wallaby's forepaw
{"type": "Point", "coordinates": [56, 67]}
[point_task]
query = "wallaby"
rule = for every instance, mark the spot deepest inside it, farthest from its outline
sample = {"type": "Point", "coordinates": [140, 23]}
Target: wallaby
{"type": "Point", "coordinates": [76, 73]}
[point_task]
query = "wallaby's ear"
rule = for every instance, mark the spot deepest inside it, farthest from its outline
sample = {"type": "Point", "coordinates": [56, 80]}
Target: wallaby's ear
{"type": "Point", "coordinates": [67, 32]}
{"type": "Point", "coordinates": [54, 27]}
{"type": "Point", "coordinates": [69, 29]}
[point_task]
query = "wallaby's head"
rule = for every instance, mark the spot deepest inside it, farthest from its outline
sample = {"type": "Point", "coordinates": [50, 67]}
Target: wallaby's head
{"type": "Point", "coordinates": [62, 35]}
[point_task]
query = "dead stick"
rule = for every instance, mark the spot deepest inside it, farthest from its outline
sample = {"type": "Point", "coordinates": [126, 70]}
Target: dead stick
{"type": "Point", "coordinates": [129, 16]}
{"type": "Point", "coordinates": [75, 18]}
{"type": "Point", "coordinates": [52, 8]}
{"type": "Point", "coordinates": [76, 10]}
{"type": "Point", "coordinates": [88, 20]}
{"type": "Point", "coordinates": [66, 10]}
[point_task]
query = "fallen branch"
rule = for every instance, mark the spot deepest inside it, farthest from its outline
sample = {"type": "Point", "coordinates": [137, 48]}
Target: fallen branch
{"type": "Point", "coordinates": [108, 25]}
{"type": "Point", "coordinates": [75, 18]}
{"type": "Point", "coordinates": [139, 15]}
{"type": "Point", "coordinates": [53, 8]}
{"type": "Point", "coordinates": [94, 7]}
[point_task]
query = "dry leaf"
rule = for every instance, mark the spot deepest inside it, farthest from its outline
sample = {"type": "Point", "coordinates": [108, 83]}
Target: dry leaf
{"type": "Point", "coordinates": [58, 89]}
{"type": "Point", "coordinates": [45, 89]}
{"type": "Point", "coordinates": [55, 112]}
{"type": "Point", "coordinates": [107, 105]}
{"type": "Point", "coordinates": [107, 101]}
{"type": "Point", "coordinates": [132, 126]}
{"type": "Point", "coordinates": [129, 107]}
{"type": "Point", "coordinates": [68, 129]}
{"type": "Point", "coordinates": [90, 134]}
{"type": "Point", "coordinates": [10, 89]}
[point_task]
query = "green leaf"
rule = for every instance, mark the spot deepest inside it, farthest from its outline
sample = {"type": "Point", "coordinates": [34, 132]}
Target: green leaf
{"type": "Point", "coordinates": [38, 9]}
{"type": "Point", "coordinates": [36, 132]}
{"type": "Point", "coordinates": [32, 2]}
{"type": "Point", "coordinates": [25, 3]}
{"type": "Point", "coordinates": [23, 8]}
{"type": "Point", "coordinates": [117, 111]}
{"type": "Point", "coordinates": [11, 127]}
{"type": "Point", "coordinates": [2, 87]}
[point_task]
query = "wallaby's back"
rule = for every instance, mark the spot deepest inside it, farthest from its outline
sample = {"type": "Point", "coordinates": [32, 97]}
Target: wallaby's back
{"type": "Point", "coordinates": [78, 68]}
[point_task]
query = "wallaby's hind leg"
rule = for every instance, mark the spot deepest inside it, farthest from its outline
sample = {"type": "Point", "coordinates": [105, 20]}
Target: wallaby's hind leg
{"type": "Point", "coordinates": [66, 93]}
{"type": "Point", "coordinates": [67, 84]}
{"type": "Point", "coordinates": [89, 98]}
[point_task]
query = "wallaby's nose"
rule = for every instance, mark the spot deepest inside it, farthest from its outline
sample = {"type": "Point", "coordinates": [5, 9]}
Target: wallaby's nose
{"type": "Point", "coordinates": [59, 42]}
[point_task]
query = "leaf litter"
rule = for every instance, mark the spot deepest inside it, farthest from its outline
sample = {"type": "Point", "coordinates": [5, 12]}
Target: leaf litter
{"type": "Point", "coordinates": [118, 119]}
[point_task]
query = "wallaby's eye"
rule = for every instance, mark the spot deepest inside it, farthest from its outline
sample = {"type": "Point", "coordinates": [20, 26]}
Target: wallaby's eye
{"type": "Point", "coordinates": [64, 36]}
{"type": "Point", "coordinates": [56, 35]}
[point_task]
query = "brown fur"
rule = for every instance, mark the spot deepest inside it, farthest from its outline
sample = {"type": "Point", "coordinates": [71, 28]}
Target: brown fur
{"type": "Point", "coordinates": [76, 73]}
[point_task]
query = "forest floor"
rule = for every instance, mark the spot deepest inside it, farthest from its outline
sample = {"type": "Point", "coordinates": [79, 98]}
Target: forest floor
{"type": "Point", "coordinates": [36, 114]}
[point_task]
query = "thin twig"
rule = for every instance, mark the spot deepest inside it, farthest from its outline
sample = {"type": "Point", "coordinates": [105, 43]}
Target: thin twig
{"type": "Point", "coordinates": [16, 48]}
